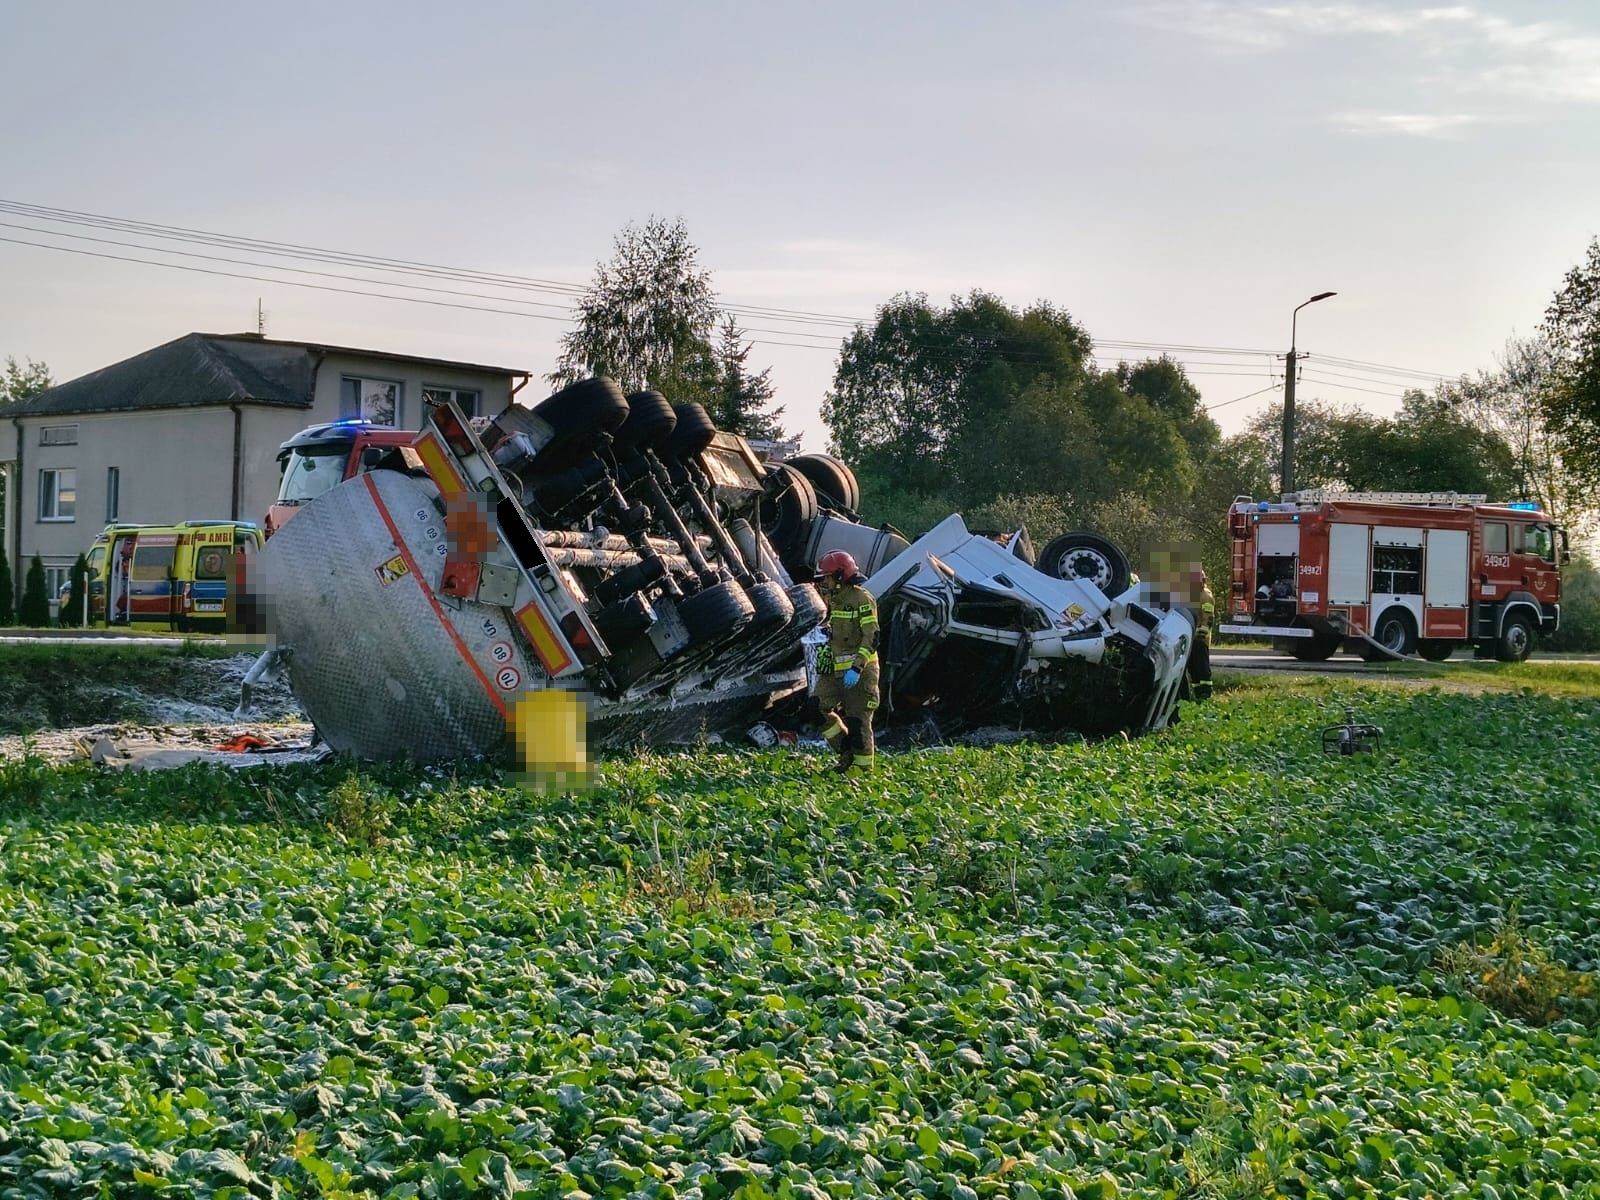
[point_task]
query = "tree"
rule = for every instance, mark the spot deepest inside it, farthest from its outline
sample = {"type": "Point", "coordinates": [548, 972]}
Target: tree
{"type": "Point", "coordinates": [20, 381]}
{"type": "Point", "coordinates": [647, 319]}
{"type": "Point", "coordinates": [742, 401]}
{"type": "Point", "coordinates": [1572, 407]}
{"type": "Point", "coordinates": [35, 609]}
{"type": "Point", "coordinates": [8, 588]}
{"type": "Point", "coordinates": [72, 609]}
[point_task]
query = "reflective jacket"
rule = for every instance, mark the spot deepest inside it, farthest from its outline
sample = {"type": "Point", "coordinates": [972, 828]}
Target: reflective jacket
{"type": "Point", "coordinates": [852, 627]}
{"type": "Point", "coordinates": [1207, 615]}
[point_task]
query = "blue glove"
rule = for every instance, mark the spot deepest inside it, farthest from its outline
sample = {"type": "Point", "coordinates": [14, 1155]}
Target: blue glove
{"type": "Point", "coordinates": [852, 677]}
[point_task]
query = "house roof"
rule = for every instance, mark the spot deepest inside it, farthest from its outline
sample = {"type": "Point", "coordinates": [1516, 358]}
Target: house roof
{"type": "Point", "coordinates": [203, 369]}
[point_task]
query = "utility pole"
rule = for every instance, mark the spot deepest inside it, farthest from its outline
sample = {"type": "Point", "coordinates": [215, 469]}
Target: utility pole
{"type": "Point", "coordinates": [1286, 470]}
{"type": "Point", "coordinates": [261, 320]}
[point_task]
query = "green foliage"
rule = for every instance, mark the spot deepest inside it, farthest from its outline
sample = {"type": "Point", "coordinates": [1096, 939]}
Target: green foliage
{"type": "Point", "coordinates": [8, 587]}
{"type": "Point", "coordinates": [21, 381]}
{"type": "Point", "coordinates": [1580, 608]}
{"type": "Point", "coordinates": [72, 609]}
{"type": "Point", "coordinates": [647, 318]}
{"type": "Point", "coordinates": [1429, 446]}
{"type": "Point", "coordinates": [741, 401]}
{"type": "Point", "coordinates": [35, 607]}
{"type": "Point", "coordinates": [360, 810]}
{"type": "Point", "coordinates": [1572, 322]}
{"type": "Point", "coordinates": [1199, 964]}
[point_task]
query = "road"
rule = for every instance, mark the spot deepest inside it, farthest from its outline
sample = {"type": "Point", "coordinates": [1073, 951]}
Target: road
{"type": "Point", "coordinates": [1346, 664]}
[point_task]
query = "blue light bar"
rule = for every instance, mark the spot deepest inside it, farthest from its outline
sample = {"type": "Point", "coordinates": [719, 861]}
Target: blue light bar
{"type": "Point", "coordinates": [1525, 506]}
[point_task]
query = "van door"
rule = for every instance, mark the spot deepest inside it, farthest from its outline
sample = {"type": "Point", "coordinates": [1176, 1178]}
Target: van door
{"type": "Point", "coordinates": [152, 589]}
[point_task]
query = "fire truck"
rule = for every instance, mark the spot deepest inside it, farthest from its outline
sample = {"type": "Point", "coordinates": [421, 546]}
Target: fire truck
{"type": "Point", "coordinates": [1389, 574]}
{"type": "Point", "coordinates": [317, 458]}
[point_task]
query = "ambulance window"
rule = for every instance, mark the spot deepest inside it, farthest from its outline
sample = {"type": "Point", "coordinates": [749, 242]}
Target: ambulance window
{"type": "Point", "coordinates": [210, 562]}
{"type": "Point", "coordinates": [97, 556]}
{"type": "Point", "coordinates": [152, 562]}
{"type": "Point", "coordinates": [1494, 538]}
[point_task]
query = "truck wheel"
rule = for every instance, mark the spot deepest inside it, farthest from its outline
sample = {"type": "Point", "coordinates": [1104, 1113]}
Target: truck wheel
{"type": "Point", "coordinates": [579, 414]}
{"type": "Point", "coordinates": [773, 608]}
{"type": "Point", "coordinates": [1435, 649]}
{"type": "Point", "coordinates": [693, 433]}
{"type": "Point", "coordinates": [1516, 639]}
{"type": "Point", "coordinates": [1394, 632]}
{"type": "Point", "coordinates": [788, 506]}
{"type": "Point", "coordinates": [650, 419]}
{"type": "Point", "coordinates": [1320, 647]}
{"type": "Point", "coordinates": [716, 613]}
{"type": "Point", "coordinates": [809, 608]}
{"type": "Point", "coordinates": [834, 483]}
{"type": "Point", "coordinates": [1086, 556]}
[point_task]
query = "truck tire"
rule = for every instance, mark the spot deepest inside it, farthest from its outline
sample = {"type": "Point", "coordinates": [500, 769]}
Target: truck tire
{"type": "Point", "coordinates": [1435, 649]}
{"type": "Point", "coordinates": [579, 414]}
{"type": "Point", "coordinates": [810, 610]}
{"type": "Point", "coordinates": [773, 608]}
{"type": "Point", "coordinates": [1515, 642]}
{"type": "Point", "coordinates": [1086, 556]}
{"type": "Point", "coordinates": [834, 483]}
{"type": "Point", "coordinates": [788, 506]}
{"type": "Point", "coordinates": [716, 613]}
{"type": "Point", "coordinates": [693, 433]}
{"type": "Point", "coordinates": [1395, 631]}
{"type": "Point", "coordinates": [650, 419]}
{"type": "Point", "coordinates": [1320, 647]}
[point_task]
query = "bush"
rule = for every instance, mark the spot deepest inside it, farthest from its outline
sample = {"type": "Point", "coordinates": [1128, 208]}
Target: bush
{"type": "Point", "coordinates": [35, 608]}
{"type": "Point", "coordinates": [8, 592]}
{"type": "Point", "coordinates": [1580, 607]}
{"type": "Point", "coordinates": [72, 611]}
{"type": "Point", "coordinates": [1520, 978]}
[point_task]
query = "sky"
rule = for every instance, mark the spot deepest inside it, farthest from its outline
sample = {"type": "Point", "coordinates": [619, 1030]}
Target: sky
{"type": "Point", "coordinates": [1181, 174]}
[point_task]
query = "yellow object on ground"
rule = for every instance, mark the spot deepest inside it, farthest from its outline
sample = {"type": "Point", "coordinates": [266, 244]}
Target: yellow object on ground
{"type": "Point", "coordinates": [548, 729]}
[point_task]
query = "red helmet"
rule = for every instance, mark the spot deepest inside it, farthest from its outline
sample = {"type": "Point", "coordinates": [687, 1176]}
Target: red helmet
{"type": "Point", "coordinates": [838, 564]}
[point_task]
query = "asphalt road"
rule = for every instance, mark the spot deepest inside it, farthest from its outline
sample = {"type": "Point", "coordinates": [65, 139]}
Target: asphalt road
{"type": "Point", "coordinates": [1345, 664]}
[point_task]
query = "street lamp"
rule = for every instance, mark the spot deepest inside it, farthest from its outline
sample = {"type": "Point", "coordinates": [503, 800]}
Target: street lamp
{"type": "Point", "coordinates": [1286, 474]}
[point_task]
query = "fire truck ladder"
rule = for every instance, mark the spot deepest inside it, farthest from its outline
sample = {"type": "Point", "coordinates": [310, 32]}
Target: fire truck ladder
{"type": "Point", "coordinates": [1437, 499]}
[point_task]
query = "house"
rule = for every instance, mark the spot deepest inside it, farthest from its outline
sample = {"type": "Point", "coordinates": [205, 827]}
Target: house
{"type": "Point", "coordinates": [190, 430]}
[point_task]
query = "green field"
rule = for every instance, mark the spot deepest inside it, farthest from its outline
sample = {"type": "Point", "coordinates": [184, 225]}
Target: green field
{"type": "Point", "coordinates": [1210, 963]}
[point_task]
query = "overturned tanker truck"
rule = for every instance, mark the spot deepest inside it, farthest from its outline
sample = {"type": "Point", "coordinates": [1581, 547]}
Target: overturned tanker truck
{"type": "Point", "coordinates": [624, 551]}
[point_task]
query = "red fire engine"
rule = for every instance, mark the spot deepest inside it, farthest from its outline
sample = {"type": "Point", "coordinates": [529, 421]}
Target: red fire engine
{"type": "Point", "coordinates": [1394, 573]}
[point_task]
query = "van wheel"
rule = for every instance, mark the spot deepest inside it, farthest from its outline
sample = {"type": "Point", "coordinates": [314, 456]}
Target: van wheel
{"type": "Point", "coordinates": [1516, 639]}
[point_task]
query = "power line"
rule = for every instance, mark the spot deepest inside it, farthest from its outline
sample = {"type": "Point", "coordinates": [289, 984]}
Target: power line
{"type": "Point", "coordinates": [1271, 387]}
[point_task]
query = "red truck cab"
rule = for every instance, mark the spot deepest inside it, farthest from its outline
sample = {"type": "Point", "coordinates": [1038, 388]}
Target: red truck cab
{"type": "Point", "coordinates": [318, 457]}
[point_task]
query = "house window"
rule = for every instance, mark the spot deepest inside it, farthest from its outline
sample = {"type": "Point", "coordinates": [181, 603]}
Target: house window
{"type": "Point", "coordinates": [58, 435]}
{"type": "Point", "coordinates": [466, 399]}
{"type": "Point", "coordinates": [58, 494]}
{"type": "Point", "coordinates": [375, 400]}
{"type": "Point", "coordinates": [56, 582]}
{"type": "Point", "coordinates": [1495, 537]}
{"type": "Point", "coordinates": [113, 493]}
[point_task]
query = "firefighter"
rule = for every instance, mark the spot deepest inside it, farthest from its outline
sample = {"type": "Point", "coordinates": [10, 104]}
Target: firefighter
{"type": "Point", "coordinates": [1198, 668]}
{"type": "Point", "coordinates": [847, 667]}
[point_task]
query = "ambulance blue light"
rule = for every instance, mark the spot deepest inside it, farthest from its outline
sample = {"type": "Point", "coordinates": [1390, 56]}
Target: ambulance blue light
{"type": "Point", "coordinates": [1525, 505]}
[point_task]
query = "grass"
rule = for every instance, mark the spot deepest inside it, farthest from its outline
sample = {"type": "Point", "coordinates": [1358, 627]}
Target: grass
{"type": "Point", "coordinates": [1209, 963]}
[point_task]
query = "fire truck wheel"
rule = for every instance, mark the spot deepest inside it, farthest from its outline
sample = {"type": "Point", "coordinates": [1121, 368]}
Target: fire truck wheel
{"type": "Point", "coordinates": [1394, 632]}
{"type": "Point", "coordinates": [788, 506]}
{"type": "Point", "coordinates": [1086, 556]}
{"type": "Point", "coordinates": [1516, 639]}
{"type": "Point", "coordinates": [834, 483]}
{"type": "Point", "coordinates": [1435, 649]}
{"type": "Point", "coordinates": [578, 414]}
{"type": "Point", "coordinates": [1319, 647]}
{"type": "Point", "coordinates": [716, 613]}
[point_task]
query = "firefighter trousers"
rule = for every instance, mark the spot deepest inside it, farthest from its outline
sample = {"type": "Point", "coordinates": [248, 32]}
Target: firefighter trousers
{"type": "Point", "coordinates": [847, 712]}
{"type": "Point", "coordinates": [1198, 669]}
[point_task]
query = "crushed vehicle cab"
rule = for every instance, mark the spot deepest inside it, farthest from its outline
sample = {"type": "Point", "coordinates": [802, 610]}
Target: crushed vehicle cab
{"type": "Point", "coordinates": [624, 553]}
